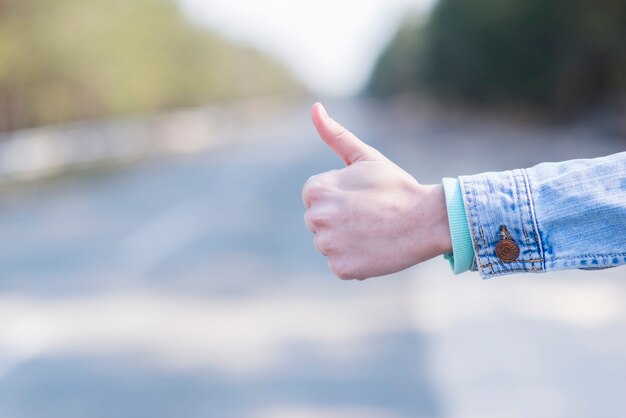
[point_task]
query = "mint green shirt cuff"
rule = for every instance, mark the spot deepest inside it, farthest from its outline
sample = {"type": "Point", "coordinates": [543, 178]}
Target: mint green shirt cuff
{"type": "Point", "coordinates": [462, 256]}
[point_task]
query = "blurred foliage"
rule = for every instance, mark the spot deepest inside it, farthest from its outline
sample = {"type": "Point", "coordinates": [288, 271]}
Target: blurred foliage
{"type": "Point", "coordinates": [72, 59]}
{"type": "Point", "coordinates": [561, 54]}
{"type": "Point", "coordinates": [398, 68]}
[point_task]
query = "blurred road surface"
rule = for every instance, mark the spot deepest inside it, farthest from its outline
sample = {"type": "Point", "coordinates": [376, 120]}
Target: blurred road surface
{"type": "Point", "coordinates": [189, 287]}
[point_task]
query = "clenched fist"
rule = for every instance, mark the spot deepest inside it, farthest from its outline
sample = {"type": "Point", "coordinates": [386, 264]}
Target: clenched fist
{"type": "Point", "coordinates": [371, 218]}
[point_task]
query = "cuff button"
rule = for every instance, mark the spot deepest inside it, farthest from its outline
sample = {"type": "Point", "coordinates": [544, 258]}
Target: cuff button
{"type": "Point", "coordinates": [507, 250]}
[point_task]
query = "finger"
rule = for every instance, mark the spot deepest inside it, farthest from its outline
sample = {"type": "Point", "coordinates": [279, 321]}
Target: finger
{"type": "Point", "coordinates": [308, 222]}
{"type": "Point", "coordinates": [305, 199]}
{"type": "Point", "coordinates": [321, 245]}
{"type": "Point", "coordinates": [344, 143]}
{"type": "Point", "coordinates": [306, 191]}
{"type": "Point", "coordinates": [318, 187]}
{"type": "Point", "coordinates": [332, 266]}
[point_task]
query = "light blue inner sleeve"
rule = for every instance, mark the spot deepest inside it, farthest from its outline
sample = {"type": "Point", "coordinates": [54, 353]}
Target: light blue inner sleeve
{"type": "Point", "coordinates": [462, 256]}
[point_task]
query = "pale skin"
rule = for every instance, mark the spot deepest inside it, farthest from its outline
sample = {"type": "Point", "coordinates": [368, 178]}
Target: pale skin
{"type": "Point", "coordinates": [371, 218]}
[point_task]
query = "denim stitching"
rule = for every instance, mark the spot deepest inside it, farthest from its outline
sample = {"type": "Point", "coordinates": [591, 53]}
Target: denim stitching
{"type": "Point", "coordinates": [529, 207]}
{"type": "Point", "coordinates": [502, 263]}
{"type": "Point", "coordinates": [485, 246]}
{"type": "Point", "coordinates": [521, 215]}
{"type": "Point", "coordinates": [521, 204]}
{"type": "Point", "coordinates": [480, 241]}
{"type": "Point", "coordinates": [516, 270]}
{"type": "Point", "coordinates": [475, 223]}
{"type": "Point", "coordinates": [535, 222]}
{"type": "Point", "coordinates": [526, 205]}
{"type": "Point", "coordinates": [573, 257]}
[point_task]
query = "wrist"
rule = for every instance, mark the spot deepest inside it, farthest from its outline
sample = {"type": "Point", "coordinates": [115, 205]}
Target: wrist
{"type": "Point", "coordinates": [440, 228]}
{"type": "Point", "coordinates": [432, 233]}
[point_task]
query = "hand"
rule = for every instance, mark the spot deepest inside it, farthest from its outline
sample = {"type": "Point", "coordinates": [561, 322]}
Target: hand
{"type": "Point", "coordinates": [371, 218]}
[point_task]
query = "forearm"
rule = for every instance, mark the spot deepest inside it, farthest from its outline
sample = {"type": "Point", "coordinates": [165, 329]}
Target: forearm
{"type": "Point", "coordinates": [371, 218]}
{"type": "Point", "coordinates": [560, 215]}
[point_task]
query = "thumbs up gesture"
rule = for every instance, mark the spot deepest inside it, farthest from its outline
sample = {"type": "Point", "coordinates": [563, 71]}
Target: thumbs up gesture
{"type": "Point", "coordinates": [371, 218]}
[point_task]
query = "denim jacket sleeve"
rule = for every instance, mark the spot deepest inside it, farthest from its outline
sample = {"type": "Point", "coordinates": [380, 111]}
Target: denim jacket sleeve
{"type": "Point", "coordinates": [563, 215]}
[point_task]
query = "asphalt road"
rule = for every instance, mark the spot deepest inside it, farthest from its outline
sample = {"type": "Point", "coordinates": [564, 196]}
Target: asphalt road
{"type": "Point", "coordinates": [188, 287]}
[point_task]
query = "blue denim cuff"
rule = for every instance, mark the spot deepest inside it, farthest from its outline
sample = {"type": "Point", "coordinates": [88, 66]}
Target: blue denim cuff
{"type": "Point", "coordinates": [500, 208]}
{"type": "Point", "coordinates": [462, 256]}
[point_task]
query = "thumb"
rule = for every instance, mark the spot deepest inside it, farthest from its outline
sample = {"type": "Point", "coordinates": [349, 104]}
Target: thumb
{"type": "Point", "coordinates": [345, 144]}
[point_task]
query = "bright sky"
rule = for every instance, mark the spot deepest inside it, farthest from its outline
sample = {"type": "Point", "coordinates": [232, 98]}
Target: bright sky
{"type": "Point", "coordinates": [331, 45]}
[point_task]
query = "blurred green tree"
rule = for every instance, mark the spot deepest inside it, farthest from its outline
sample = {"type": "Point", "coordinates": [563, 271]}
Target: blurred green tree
{"type": "Point", "coordinates": [561, 54]}
{"type": "Point", "coordinates": [398, 68]}
{"type": "Point", "coordinates": [73, 59]}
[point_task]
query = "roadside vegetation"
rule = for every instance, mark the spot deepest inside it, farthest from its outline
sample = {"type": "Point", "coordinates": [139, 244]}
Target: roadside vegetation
{"type": "Point", "coordinates": [66, 60]}
{"type": "Point", "coordinates": [559, 56]}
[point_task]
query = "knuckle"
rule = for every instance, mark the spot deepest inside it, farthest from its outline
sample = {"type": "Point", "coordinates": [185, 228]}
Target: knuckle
{"type": "Point", "coordinates": [318, 187]}
{"type": "Point", "coordinates": [323, 244]}
{"type": "Point", "coordinates": [307, 221]}
{"type": "Point", "coordinates": [340, 269]}
{"type": "Point", "coordinates": [321, 180]}
{"type": "Point", "coordinates": [341, 134]}
{"type": "Point", "coordinates": [312, 193]}
{"type": "Point", "coordinates": [314, 181]}
{"type": "Point", "coordinates": [312, 188]}
{"type": "Point", "coordinates": [318, 219]}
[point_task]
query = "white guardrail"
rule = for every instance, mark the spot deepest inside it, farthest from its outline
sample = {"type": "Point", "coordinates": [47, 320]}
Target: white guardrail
{"type": "Point", "coordinates": [42, 152]}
